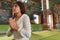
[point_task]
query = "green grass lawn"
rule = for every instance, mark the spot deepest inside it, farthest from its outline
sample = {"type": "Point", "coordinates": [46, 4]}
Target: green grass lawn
{"type": "Point", "coordinates": [36, 25]}
{"type": "Point", "coordinates": [42, 35]}
{"type": "Point", "coordinates": [5, 27]}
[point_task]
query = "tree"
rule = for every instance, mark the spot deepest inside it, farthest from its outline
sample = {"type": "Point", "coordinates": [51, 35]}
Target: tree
{"type": "Point", "coordinates": [53, 4]}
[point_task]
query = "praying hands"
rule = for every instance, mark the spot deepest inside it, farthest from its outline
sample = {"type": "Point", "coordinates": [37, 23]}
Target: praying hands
{"type": "Point", "coordinates": [13, 24]}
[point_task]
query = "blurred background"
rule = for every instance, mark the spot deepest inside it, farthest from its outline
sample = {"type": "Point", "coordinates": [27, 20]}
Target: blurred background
{"type": "Point", "coordinates": [45, 13]}
{"type": "Point", "coordinates": [44, 17]}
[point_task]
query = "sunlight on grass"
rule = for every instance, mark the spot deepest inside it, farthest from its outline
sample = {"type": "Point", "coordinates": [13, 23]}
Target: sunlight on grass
{"type": "Point", "coordinates": [42, 35]}
{"type": "Point", "coordinates": [46, 34]}
{"type": "Point", "coordinates": [6, 38]}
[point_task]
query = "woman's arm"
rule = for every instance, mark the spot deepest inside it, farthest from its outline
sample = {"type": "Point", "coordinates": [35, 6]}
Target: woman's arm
{"type": "Point", "coordinates": [9, 32]}
{"type": "Point", "coordinates": [13, 24]}
{"type": "Point", "coordinates": [26, 30]}
{"type": "Point", "coordinates": [27, 26]}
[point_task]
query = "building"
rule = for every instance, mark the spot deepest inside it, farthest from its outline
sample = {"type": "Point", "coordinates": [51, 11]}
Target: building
{"type": "Point", "coordinates": [46, 12]}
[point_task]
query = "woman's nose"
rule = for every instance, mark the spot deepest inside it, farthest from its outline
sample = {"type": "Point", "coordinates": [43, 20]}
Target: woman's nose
{"type": "Point", "coordinates": [13, 9]}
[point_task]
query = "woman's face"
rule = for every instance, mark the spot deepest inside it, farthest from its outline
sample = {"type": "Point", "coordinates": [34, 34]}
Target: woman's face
{"type": "Point", "coordinates": [16, 9]}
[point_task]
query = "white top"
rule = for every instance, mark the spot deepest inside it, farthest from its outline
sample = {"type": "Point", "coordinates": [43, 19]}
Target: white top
{"type": "Point", "coordinates": [24, 30]}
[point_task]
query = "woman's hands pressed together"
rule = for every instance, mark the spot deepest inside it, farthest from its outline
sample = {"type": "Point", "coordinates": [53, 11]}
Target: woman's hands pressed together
{"type": "Point", "coordinates": [13, 24]}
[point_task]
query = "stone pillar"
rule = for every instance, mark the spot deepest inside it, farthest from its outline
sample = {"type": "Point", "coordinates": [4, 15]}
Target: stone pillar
{"type": "Point", "coordinates": [45, 27]}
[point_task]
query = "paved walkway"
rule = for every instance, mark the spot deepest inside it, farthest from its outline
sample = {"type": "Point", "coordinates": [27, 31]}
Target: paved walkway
{"type": "Point", "coordinates": [2, 32]}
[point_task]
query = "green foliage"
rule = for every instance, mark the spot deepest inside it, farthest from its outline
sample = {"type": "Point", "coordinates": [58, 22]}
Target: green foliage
{"type": "Point", "coordinates": [31, 5]}
{"type": "Point", "coordinates": [53, 4]}
{"type": "Point", "coordinates": [6, 6]}
{"type": "Point", "coordinates": [36, 5]}
{"type": "Point", "coordinates": [55, 1]}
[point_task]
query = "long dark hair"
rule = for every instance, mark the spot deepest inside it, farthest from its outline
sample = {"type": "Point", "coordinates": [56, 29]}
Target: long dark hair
{"type": "Point", "coordinates": [21, 5]}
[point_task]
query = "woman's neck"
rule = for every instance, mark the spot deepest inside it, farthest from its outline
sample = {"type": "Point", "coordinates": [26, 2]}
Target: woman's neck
{"type": "Point", "coordinates": [18, 16]}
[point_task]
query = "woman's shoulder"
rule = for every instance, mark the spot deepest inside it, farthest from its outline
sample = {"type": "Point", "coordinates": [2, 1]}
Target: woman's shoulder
{"type": "Point", "coordinates": [25, 15]}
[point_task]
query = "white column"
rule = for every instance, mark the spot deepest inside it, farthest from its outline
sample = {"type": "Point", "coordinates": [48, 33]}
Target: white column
{"type": "Point", "coordinates": [47, 4]}
{"type": "Point", "coordinates": [23, 0]}
{"type": "Point", "coordinates": [18, 0]}
{"type": "Point", "coordinates": [42, 4]}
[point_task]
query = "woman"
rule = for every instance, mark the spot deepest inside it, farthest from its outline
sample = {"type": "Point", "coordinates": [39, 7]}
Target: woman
{"type": "Point", "coordinates": [20, 26]}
